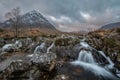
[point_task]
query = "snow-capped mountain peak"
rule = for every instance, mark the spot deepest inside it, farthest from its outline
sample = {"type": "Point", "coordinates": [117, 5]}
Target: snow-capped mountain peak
{"type": "Point", "coordinates": [32, 19]}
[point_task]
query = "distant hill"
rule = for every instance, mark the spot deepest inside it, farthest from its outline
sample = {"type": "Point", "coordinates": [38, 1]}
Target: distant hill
{"type": "Point", "coordinates": [31, 19]}
{"type": "Point", "coordinates": [111, 26]}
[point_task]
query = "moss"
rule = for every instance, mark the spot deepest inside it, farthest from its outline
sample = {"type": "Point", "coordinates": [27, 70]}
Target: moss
{"type": "Point", "coordinates": [53, 36]}
{"type": "Point", "coordinates": [110, 42]}
{"type": "Point", "coordinates": [76, 41]}
{"type": "Point", "coordinates": [66, 41]}
{"type": "Point", "coordinates": [95, 35]}
{"type": "Point", "coordinates": [44, 35]}
{"type": "Point", "coordinates": [62, 42]}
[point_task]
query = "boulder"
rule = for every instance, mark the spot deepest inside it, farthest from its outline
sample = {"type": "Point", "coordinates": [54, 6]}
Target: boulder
{"type": "Point", "coordinates": [15, 71]}
{"type": "Point", "coordinates": [43, 58]}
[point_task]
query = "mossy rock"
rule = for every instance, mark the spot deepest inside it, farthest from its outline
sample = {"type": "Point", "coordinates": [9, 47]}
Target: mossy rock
{"type": "Point", "coordinates": [62, 42]}
{"type": "Point", "coordinates": [66, 41]}
{"type": "Point", "coordinates": [110, 42]}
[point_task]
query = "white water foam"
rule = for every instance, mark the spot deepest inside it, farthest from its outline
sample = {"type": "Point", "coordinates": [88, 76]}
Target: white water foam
{"type": "Point", "coordinates": [86, 56]}
{"type": "Point", "coordinates": [87, 61]}
{"type": "Point", "coordinates": [49, 48]}
{"type": "Point", "coordinates": [39, 48]}
{"type": "Point", "coordinates": [111, 64]}
{"type": "Point", "coordinates": [97, 70]}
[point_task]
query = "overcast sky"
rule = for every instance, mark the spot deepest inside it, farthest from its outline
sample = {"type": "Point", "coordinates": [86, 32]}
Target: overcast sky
{"type": "Point", "coordinates": [76, 13]}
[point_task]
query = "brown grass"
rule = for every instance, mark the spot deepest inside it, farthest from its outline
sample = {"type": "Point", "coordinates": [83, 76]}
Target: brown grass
{"type": "Point", "coordinates": [9, 33]}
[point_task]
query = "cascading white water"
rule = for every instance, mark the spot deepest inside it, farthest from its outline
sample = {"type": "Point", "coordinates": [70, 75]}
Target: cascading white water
{"type": "Point", "coordinates": [49, 48]}
{"type": "Point", "coordinates": [13, 46]}
{"type": "Point", "coordinates": [18, 44]}
{"type": "Point", "coordinates": [86, 56]}
{"type": "Point", "coordinates": [87, 61]}
{"type": "Point", "coordinates": [38, 48]}
{"type": "Point", "coordinates": [84, 44]}
{"type": "Point", "coordinates": [97, 70]}
{"type": "Point", "coordinates": [36, 56]}
{"type": "Point", "coordinates": [111, 64]}
{"type": "Point", "coordinates": [40, 56]}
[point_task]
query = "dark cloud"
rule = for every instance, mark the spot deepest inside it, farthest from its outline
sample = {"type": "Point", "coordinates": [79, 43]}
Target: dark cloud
{"type": "Point", "coordinates": [91, 12]}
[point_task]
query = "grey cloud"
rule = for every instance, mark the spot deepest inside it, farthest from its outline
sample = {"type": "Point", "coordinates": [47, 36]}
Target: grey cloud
{"type": "Point", "coordinates": [95, 9]}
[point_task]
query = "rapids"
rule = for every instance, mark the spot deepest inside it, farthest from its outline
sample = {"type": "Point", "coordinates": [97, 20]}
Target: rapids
{"type": "Point", "coordinates": [87, 61]}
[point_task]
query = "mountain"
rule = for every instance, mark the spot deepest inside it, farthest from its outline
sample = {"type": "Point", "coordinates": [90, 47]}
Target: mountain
{"type": "Point", "coordinates": [111, 26]}
{"type": "Point", "coordinates": [31, 19]}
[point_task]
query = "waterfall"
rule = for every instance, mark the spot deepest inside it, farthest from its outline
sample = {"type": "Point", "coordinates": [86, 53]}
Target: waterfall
{"type": "Point", "coordinates": [87, 61]}
{"type": "Point", "coordinates": [84, 44]}
{"type": "Point", "coordinates": [39, 47]}
{"type": "Point", "coordinates": [49, 48]}
{"type": "Point", "coordinates": [40, 56]}
{"type": "Point", "coordinates": [97, 70]}
{"type": "Point", "coordinates": [111, 64]}
{"type": "Point", "coordinates": [36, 57]}
{"type": "Point", "coordinates": [18, 44]}
{"type": "Point", "coordinates": [13, 46]}
{"type": "Point", "coordinates": [86, 56]}
{"type": "Point", "coordinates": [37, 51]}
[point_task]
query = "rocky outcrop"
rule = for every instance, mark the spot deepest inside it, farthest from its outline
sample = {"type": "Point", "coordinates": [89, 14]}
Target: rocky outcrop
{"type": "Point", "coordinates": [66, 41]}
{"type": "Point", "coordinates": [15, 71]}
{"type": "Point", "coordinates": [49, 58]}
{"type": "Point", "coordinates": [24, 71]}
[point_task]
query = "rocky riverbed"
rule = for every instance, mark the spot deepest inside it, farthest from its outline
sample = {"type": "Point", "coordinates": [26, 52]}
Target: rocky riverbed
{"type": "Point", "coordinates": [61, 57]}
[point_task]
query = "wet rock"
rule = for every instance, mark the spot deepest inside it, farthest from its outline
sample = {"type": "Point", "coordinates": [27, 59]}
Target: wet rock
{"type": "Point", "coordinates": [2, 42]}
{"type": "Point", "coordinates": [62, 77]}
{"type": "Point", "coordinates": [95, 42]}
{"type": "Point", "coordinates": [8, 48]}
{"type": "Point", "coordinates": [69, 52]}
{"type": "Point", "coordinates": [15, 71]}
{"type": "Point", "coordinates": [79, 73]}
{"type": "Point", "coordinates": [11, 47]}
{"type": "Point", "coordinates": [20, 70]}
{"type": "Point", "coordinates": [66, 41]}
{"type": "Point", "coordinates": [26, 41]}
{"type": "Point", "coordinates": [43, 58]}
{"type": "Point", "coordinates": [40, 49]}
{"type": "Point", "coordinates": [42, 71]}
{"type": "Point", "coordinates": [117, 65]}
{"type": "Point", "coordinates": [30, 48]}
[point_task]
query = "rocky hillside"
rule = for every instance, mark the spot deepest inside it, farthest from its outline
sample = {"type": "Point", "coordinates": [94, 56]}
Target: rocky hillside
{"type": "Point", "coordinates": [107, 40]}
{"type": "Point", "coordinates": [111, 26]}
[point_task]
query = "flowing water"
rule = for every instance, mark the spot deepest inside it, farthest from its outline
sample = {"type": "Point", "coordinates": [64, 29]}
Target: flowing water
{"type": "Point", "coordinates": [111, 64]}
{"type": "Point", "coordinates": [39, 47]}
{"type": "Point", "coordinates": [13, 46]}
{"type": "Point", "coordinates": [86, 56]}
{"type": "Point", "coordinates": [87, 60]}
{"type": "Point", "coordinates": [49, 48]}
{"type": "Point", "coordinates": [35, 57]}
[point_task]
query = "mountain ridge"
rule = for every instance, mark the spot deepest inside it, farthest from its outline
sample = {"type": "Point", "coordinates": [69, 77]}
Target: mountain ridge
{"type": "Point", "coordinates": [31, 19]}
{"type": "Point", "coordinates": [111, 26]}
